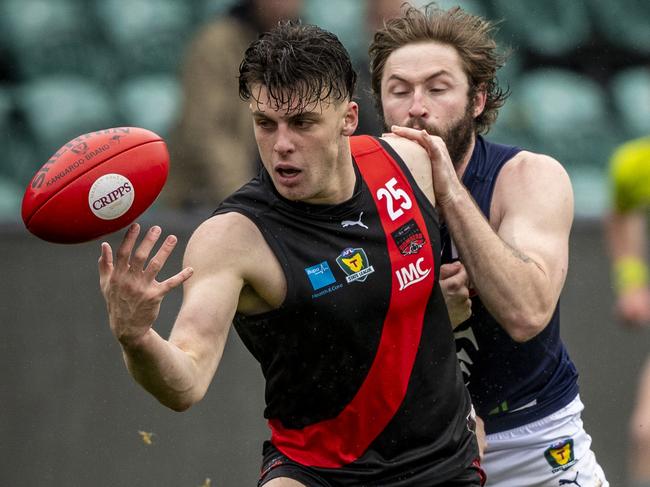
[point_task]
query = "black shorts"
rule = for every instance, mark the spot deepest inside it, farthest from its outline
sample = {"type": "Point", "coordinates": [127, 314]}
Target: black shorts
{"type": "Point", "coordinates": [275, 465]}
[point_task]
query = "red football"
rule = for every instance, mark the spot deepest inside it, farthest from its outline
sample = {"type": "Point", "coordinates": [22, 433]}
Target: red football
{"type": "Point", "coordinates": [96, 184]}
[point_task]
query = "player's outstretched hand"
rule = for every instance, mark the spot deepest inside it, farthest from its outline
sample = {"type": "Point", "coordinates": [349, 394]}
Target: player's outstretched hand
{"type": "Point", "coordinates": [446, 184]}
{"type": "Point", "coordinates": [129, 285]}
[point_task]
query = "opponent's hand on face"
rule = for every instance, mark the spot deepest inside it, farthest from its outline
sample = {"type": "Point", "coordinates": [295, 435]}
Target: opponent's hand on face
{"type": "Point", "coordinates": [454, 283]}
{"type": "Point", "coordinates": [446, 184]}
{"type": "Point", "coordinates": [129, 285]}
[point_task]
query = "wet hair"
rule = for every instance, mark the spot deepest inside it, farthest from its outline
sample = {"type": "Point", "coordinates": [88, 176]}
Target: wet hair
{"type": "Point", "coordinates": [300, 65]}
{"type": "Point", "coordinates": [470, 35]}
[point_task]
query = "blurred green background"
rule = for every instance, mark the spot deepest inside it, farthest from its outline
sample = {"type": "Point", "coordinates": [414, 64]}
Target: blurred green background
{"type": "Point", "coordinates": [70, 414]}
{"type": "Point", "coordinates": [579, 75]}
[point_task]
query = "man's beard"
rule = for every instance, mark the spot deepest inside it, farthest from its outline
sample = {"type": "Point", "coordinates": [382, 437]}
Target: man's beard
{"type": "Point", "coordinates": [457, 138]}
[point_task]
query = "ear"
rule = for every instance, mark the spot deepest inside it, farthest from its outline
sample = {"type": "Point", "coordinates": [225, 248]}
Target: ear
{"type": "Point", "coordinates": [479, 101]}
{"type": "Point", "coordinates": [350, 119]}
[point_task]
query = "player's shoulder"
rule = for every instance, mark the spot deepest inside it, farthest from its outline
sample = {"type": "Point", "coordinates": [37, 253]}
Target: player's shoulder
{"type": "Point", "coordinates": [417, 161]}
{"type": "Point", "coordinates": [533, 180]}
{"type": "Point", "coordinates": [226, 236]}
{"type": "Point", "coordinates": [408, 150]}
{"type": "Point", "coordinates": [414, 156]}
{"type": "Point", "coordinates": [535, 168]}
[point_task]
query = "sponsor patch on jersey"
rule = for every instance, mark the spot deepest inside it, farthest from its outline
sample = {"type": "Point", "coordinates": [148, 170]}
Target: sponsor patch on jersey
{"type": "Point", "coordinates": [411, 274]}
{"type": "Point", "coordinates": [320, 275]}
{"type": "Point", "coordinates": [409, 238]}
{"type": "Point", "coordinates": [354, 263]}
{"type": "Point", "coordinates": [560, 455]}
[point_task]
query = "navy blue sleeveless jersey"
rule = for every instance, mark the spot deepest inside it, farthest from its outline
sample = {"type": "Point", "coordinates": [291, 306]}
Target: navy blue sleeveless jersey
{"type": "Point", "coordinates": [511, 384]}
{"type": "Point", "coordinates": [362, 380]}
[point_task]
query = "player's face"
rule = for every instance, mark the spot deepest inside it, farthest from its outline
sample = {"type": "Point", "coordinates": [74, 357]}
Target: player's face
{"type": "Point", "coordinates": [424, 86]}
{"type": "Point", "coordinates": [306, 153]}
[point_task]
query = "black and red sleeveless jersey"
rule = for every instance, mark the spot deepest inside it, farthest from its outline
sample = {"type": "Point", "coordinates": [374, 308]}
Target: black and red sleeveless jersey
{"type": "Point", "coordinates": [362, 380]}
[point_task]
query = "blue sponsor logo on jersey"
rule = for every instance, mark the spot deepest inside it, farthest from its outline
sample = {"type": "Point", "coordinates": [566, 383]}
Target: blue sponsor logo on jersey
{"type": "Point", "coordinates": [320, 275]}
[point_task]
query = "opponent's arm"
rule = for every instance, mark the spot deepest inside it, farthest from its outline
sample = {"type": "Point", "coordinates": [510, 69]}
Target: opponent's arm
{"type": "Point", "coordinates": [176, 371]}
{"type": "Point", "coordinates": [453, 278]}
{"type": "Point", "coordinates": [626, 235]}
{"type": "Point", "coordinates": [518, 264]}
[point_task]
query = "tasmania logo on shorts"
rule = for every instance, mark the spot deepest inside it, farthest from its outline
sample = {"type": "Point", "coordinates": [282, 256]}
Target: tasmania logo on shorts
{"type": "Point", "coordinates": [560, 455]}
{"type": "Point", "coordinates": [409, 238]}
{"type": "Point", "coordinates": [354, 263]}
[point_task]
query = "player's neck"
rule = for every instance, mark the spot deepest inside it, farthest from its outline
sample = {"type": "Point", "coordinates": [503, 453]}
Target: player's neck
{"type": "Point", "coordinates": [461, 166]}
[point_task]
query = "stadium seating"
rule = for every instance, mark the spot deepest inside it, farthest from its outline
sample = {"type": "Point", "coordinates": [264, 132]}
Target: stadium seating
{"type": "Point", "coordinates": [11, 194]}
{"type": "Point", "coordinates": [53, 36]}
{"type": "Point", "coordinates": [73, 66]}
{"type": "Point", "coordinates": [58, 108]}
{"type": "Point", "coordinates": [146, 35]}
{"type": "Point", "coordinates": [210, 8]}
{"type": "Point", "coordinates": [630, 92]}
{"type": "Point", "coordinates": [150, 102]}
{"type": "Point", "coordinates": [474, 6]}
{"type": "Point", "coordinates": [567, 114]}
{"type": "Point", "coordinates": [624, 23]}
{"type": "Point", "coordinates": [343, 18]}
{"type": "Point", "coordinates": [550, 27]}
{"type": "Point", "coordinates": [15, 172]}
{"type": "Point", "coordinates": [18, 160]}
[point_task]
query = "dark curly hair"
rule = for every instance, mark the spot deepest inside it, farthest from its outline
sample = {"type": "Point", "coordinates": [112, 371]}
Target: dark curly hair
{"type": "Point", "coordinates": [300, 65]}
{"type": "Point", "coordinates": [469, 34]}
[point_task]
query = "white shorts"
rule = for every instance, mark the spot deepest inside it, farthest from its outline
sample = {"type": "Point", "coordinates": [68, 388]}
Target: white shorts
{"type": "Point", "coordinates": [554, 451]}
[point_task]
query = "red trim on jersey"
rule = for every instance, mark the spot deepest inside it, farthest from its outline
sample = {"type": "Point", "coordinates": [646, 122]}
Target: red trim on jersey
{"type": "Point", "coordinates": [479, 470]}
{"type": "Point", "coordinates": [341, 440]}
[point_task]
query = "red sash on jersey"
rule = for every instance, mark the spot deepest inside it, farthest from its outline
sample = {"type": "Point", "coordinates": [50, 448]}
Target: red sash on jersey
{"type": "Point", "coordinates": [341, 440]}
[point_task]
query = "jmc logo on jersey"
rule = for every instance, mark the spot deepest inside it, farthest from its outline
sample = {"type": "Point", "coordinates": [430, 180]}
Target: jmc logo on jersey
{"type": "Point", "coordinates": [354, 263]}
{"type": "Point", "coordinates": [409, 275]}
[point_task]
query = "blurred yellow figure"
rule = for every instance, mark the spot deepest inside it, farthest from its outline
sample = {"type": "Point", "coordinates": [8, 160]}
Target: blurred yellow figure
{"type": "Point", "coordinates": [626, 227]}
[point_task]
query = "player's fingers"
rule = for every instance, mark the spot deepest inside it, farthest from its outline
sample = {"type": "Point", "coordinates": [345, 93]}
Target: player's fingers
{"type": "Point", "coordinates": [105, 262]}
{"type": "Point", "coordinates": [448, 270]}
{"type": "Point", "coordinates": [123, 253]}
{"type": "Point", "coordinates": [139, 257]}
{"type": "Point", "coordinates": [158, 261]}
{"type": "Point", "coordinates": [105, 257]}
{"type": "Point", "coordinates": [404, 131]}
{"type": "Point", "coordinates": [418, 135]}
{"type": "Point", "coordinates": [422, 137]}
{"type": "Point", "coordinates": [176, 280]}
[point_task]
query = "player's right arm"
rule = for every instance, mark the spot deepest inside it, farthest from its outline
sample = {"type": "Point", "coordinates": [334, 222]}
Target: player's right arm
{"type": "Point", "coordinates": [218, 258]}
{"type": "Point", "coordinates": [453, 278]}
